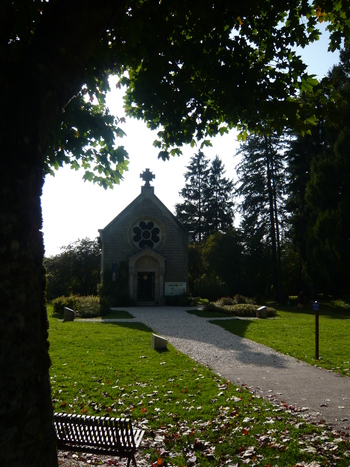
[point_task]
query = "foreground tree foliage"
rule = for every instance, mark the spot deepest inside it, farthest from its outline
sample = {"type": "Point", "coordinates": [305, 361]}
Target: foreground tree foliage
{"type": "Point", "coordinates": [194, 71]}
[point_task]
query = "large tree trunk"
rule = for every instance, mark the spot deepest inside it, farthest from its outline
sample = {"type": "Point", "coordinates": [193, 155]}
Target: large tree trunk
{"type": "Point", "coordinates": [35, 87]}
{"type": "Point", "coordinates": [27, 435]}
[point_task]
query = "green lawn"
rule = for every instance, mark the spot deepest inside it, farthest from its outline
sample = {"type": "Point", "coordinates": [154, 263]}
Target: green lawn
{"type": "Point", "coordinates": [191, 416]}
{"type": "Point", "coordinates": [293, 333]}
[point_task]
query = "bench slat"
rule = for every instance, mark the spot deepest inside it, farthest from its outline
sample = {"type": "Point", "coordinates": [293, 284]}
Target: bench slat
{"type": "Point", "coordinates": [138, 435]}
{"type": "Point", "coordinates": [102, 435]}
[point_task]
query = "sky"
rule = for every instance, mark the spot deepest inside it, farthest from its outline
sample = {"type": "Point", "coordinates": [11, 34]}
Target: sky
{"type": "Point", "coordinates": [73, 209]}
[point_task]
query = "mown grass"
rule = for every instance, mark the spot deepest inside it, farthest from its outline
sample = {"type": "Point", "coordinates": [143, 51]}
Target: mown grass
{"type": "Point", "coordinates": [191, 416]}
{"type": "Point", "coordinates": [293, 333]}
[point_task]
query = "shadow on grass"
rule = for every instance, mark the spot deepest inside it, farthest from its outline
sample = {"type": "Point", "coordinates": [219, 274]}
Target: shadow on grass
{"type": "Point", "coordinates": [132, 325]}
{"type": "Point", "coordinates": [235, 326]}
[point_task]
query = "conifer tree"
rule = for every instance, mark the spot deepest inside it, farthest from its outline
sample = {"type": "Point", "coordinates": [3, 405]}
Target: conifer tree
{"type": "Point", "coordinates": [194, 210]}
{"type": "Point", "coordinates": [261, 185]}
{"type": "Point", "coordinates": [220, 199]}
{"type": "Point", "coordinates": [319, 193]}
{"type": "Point", "coordinates": [208, 204]}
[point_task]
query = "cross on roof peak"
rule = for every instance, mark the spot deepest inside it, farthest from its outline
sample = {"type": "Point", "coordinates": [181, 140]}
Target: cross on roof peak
{"type": "Point", "coordinates": [147, 177]}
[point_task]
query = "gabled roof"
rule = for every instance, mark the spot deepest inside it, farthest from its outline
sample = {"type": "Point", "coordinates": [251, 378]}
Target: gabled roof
{"type": "Point", "coordinates": [146, 193]}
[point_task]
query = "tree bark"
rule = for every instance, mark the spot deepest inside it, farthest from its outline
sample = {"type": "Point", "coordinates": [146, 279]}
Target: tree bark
{"type": "Point", "coordinates": [26, 430]}
{"type": "Point", "coordinates": [35, 85]}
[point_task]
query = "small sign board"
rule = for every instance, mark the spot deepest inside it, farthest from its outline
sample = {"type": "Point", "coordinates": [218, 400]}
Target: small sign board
{"type": "Point", "coordinates": [175, 288]}
{"type": "Point", "coordinates": [315, 306]}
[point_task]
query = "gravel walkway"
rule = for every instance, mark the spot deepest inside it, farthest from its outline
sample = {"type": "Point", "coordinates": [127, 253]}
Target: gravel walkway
{"type": "Point", "coordinates": [320, 394]}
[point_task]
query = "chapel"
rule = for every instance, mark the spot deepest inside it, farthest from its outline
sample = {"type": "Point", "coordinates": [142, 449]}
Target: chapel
{"type": "Point", "coordinates": [144, 252]}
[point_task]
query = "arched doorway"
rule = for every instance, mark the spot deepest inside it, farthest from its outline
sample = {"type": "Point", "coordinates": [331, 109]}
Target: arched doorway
{"type": "Point", "coordinates": [146, 278]}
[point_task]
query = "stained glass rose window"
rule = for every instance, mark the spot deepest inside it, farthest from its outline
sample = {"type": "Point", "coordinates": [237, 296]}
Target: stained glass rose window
{"type": "Point", "coordinates": [146, 234]}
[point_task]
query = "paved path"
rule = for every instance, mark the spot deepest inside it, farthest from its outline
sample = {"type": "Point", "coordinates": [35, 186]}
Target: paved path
{"type": "Point", "coordinates": [320, 393]}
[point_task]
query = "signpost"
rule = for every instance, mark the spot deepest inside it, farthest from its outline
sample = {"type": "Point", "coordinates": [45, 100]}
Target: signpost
{"type": "Point", "coordinates": [315, 307]}
{"type": "Point", "coordinates": [175, 288]}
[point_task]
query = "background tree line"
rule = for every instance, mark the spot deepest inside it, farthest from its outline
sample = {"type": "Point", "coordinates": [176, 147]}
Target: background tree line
{"type": "Point", "coordinates": [74, 271]}
{"type": "Point", "coordinates": [293, 197]}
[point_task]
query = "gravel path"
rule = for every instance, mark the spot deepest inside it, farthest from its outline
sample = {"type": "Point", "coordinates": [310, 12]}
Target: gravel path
{"type": "Point", "coordinates": [319, 394]}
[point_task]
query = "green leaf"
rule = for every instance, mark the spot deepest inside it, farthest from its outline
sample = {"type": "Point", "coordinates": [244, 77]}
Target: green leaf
{"type": "Point", "coordinates": [308, 83]}
{"type": "Point", "coordinates": [223, 130]}
{"type": "Point", "coordinates": [164, 155]}
{"type": "Point", "coordinates": [157, 143]}
{"type": "Point", "coordinates": [206, 143]}
{"type": "Point", "coordinates": [88, 176]}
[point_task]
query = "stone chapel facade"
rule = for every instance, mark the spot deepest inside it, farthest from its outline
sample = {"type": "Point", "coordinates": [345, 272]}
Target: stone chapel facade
{"type": "Point", "coordinates": [151, 244]}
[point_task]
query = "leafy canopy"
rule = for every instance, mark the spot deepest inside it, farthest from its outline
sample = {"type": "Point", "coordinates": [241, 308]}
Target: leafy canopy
{"type": "Point", "coordinates": [226, 64]}
{"type": "Point", "coordinates": [189, 72]}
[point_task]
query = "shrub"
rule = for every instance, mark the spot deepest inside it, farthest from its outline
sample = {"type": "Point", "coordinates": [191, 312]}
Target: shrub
{"type": "Point", "coordinates": [238, 306]}
{"type": "Point", "coordinates": [105, 305]}
{"type": "Point", "coordinates": [88, 307]}
{"type": "Point", "coordinates": [226, 301]}
{"type": "Point", "coordinates": [211, 306]}
{"type": "Point", "coordinates": [84, 307]}
{"type": "Point", "coordinates": [60, 303]}
{"type": "Point", "coordinates": [239, 299]}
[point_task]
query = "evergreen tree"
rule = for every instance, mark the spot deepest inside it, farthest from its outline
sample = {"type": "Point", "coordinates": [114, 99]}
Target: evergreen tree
{"type": "Point", "coordinates": [193, 211]}
{"type": "Point", "coordinates": [208, 204]}
{"type": "Point", "coordinates": [319, 193]}
{"type": "Point", "coordinates": [261, 188]}
{"type": "Point", "coordinates": [220, 203]}
{"type": "Point", "coordinates": [300, 154]}
{"type": "Point", "coordinates": [328, 195]}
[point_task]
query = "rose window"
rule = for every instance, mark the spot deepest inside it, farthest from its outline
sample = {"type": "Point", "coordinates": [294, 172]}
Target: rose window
{"type": "Point", "coordinates": [146, 234]}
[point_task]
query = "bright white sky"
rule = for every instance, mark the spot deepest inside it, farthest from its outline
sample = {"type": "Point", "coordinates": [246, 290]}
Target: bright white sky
{"type": "Point", "coordinates": [73, 209]}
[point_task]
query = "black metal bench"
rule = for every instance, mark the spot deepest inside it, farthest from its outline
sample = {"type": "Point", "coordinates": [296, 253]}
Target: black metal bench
{"type": "Point", "coordinates": [98, 435]}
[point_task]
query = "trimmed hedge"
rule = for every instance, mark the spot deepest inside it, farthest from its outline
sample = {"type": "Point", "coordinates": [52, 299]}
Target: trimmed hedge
{"type": "Point", "coordinates": [238, 306]}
